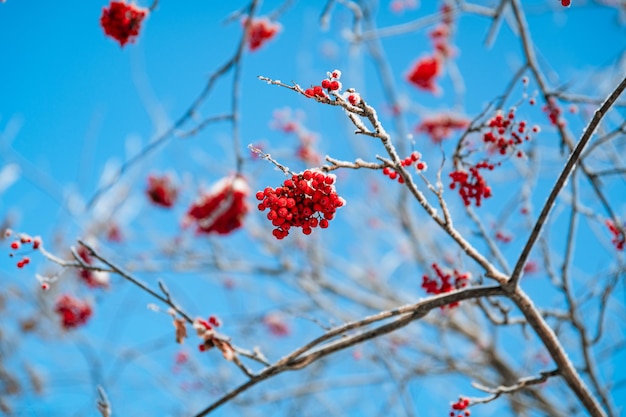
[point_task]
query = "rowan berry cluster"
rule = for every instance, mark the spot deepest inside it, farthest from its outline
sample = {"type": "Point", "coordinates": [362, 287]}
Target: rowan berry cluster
{"type": "Point", "coordinates": [503, 237]}
{"type": "Point", "coordinates": [440, 127]}
{"type": "Point", "coordinates": [444, 282]}
{"type": "Point", "coordinates": [460, 405]}
{"type": "Point", "coordinates": [553, 111]}
{"type": "Point", "coordinates": [93, 279]}
{"type": "Point", "coordinates": [424, 72]}
{"type": "Point", "coordinates": [413, 159]}
{"type": "Point", "coordinates": [222, 209]}
{"type": "Point", "coordinates": [261, 30]}
{"type": "Point", "coordinates": [72, 311]}
{"type": "Point", "coordinates": [329, 84]}
{"type": "Point", "coordinates": [161, 190]}
{"type": "Point", "coordinates": [306, 200]}
{"type": "Point", "coordinates": [504, 134]}
{"type": "Point", "coordinates": [19, 242]}
{"type": "Point", "coordinates": [566, 3]}
{"type": "Point", "coordinates": [471, 184]}
{"type": "Point", "coordinates": [619, 239]}
{"type": "Point", "coordinates": [122, 21]}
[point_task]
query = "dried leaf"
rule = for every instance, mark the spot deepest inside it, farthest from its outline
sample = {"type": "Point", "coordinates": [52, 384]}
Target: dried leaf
{"type": "Point", "coordinates": [181, 330]}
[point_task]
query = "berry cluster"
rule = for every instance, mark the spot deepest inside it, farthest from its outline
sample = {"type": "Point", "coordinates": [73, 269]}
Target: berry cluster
{"type": "Point", "coordinates": [93, 279]}
{"type": "Point", "coordinates": [553, 111]}
{"type": "Point", "coordinates": [329, 84]}
{"type": "Point", "coordinates": [471, 184]}
{"type": "Point", "coordinates": [306, 200]}
{"type": "Point", "coordinates": [413, 159]}
{"type": "Point", "coordinates": [222, 209]}
{"type": "Point", "coordinates": [444, 283]}
{"type": "Point", "coordinates": [20, 240]}
{"type": "Point", "coordinates": [503, 237]}
{"type": "Point", "coordinates": [73, 312]}
{"type": "Point", "coordinates": [440, 127]}
{"type": "Point", "coordinates": [261, 30]}
{"type": "Point", "coordinates": [505, 133]}
{"type": "Point", "coordinates": [122, 21]}
{"type": "Point", "coordinates": [460, 405]}
{"type": "Point", "coordinates": [161, 190]}
{"type": "Point", "coordinates": [424, 72]}
{"type": "Point", "coordinates": [619, 239]}
{"type": "Point", "coordinates": [566, 3]}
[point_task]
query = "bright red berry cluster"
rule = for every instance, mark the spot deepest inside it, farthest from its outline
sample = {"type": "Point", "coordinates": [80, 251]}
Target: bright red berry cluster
{"type": "Point", "coordinates": [471, 183]}
{"type": "Point", "coordinates": [413, 159]}
{"type": "Point", "coordinates": [619, 239]}
{"type": "Point", "coordinates": [73, 312]}
{"type": "Point", "coordinates": [553, 111]}
{"type": "Point", "coordinates": [566, 3]}
{"type": "Point", "coordinates": [161, 190]}
{"type": "Point", "coordinates": [425, 71]}
{"type": "Point", "coordinates": [222, 209]}
{"type": "Point", "coordinates": [93, 279]}
{"type": "Point", "coordinates": [460, 405]}
{"type": "Point", "coordinates": [444, 282]}
{"type": "Point", "coordinates": [440, 127]}
{"type": "Point", "coordinates": [122, 21]}
{"type": "Point", "coordinates": [306, 200]}
{"type": "Point", "coordinates": [261, 30]}
{"type": "Point", "coordinates": [20, 240]}
{"type": "Point", "coordinates": [329, 84]}
{"type": "Point", "coordinates": [505, 133]}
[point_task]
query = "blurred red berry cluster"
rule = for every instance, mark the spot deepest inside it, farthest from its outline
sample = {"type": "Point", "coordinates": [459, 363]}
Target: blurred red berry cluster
{"type": "Point", "coordinates": [122, 21]}
{"type": "Point", "coordinates": [222, 209]}
{"type": "Point", "coordinates": [440, 126]}
{"type": "Point", "coordinates": [161, 190]}
{"type": "Point", "coordinates": [619, 239]}
{"type": "Point", "coordinates": [72, 311]}
{"type": "Point", "coordinates": [261, 30]}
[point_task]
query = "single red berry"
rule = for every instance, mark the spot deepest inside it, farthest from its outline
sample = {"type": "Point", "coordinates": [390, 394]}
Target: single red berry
{"type": "Point", "coordinates": [15, 245]}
